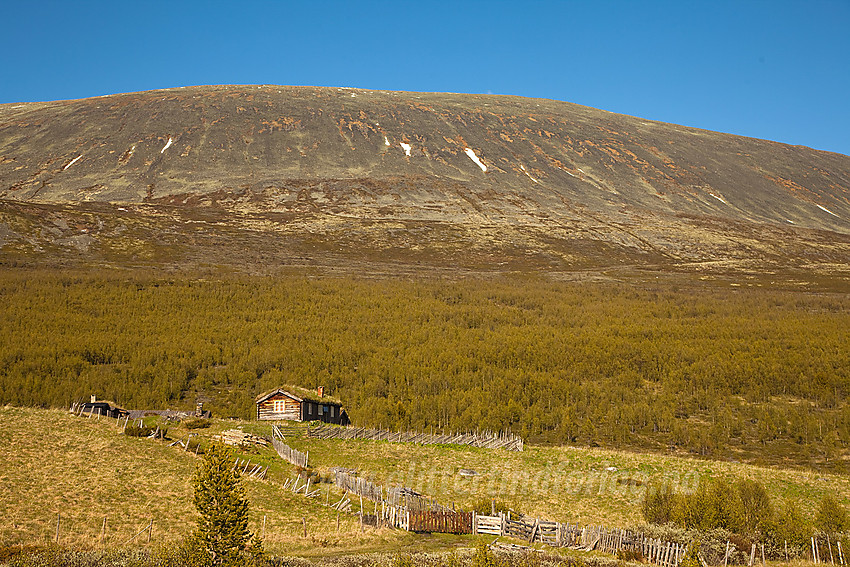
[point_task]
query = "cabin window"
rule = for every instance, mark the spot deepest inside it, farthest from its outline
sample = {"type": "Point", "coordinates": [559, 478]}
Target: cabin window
{"type": "Point", "coordinates": [279, 405]}
{"type": "Point", "coordinates": [309, 409]}
{"type": "Point", "coordinates": [332, 411]}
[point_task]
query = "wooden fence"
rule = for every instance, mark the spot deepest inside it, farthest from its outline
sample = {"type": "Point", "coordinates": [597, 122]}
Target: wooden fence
{"type": "Point", "coordinates": [533, 530]}
{"type": "Point", "coordinates": [396, 517]}
{"type": "Point", "coordinates": [294, 456]}
{"type": "Point", "coordinates": [393, 496]}
{"type": "Point", "coordinates": [358, 486]}
{"type": "Point", "coordinates": [486, 440]}
{"type": "Point", "coordinates": [444, 522]}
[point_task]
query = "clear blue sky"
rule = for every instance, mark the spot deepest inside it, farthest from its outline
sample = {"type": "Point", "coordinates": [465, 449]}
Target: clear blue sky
{"type": "Point", "coordinates": [770, 69]}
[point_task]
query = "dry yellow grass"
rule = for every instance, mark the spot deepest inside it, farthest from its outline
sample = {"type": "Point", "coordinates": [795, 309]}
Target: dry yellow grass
{"type": "Point", "coordinates": [52, 462]}
{"type": "Point", "coordinates": [84, 469]}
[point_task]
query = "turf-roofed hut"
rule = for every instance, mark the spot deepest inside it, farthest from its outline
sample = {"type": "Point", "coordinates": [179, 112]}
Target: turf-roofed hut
{"type": "Point", "coordinates": [299, 404]}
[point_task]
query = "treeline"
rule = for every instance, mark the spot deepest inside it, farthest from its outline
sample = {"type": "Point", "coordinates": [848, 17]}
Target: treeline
{"type": "Point", "coordinates": [743, 512]}
{"type": "Point", "coordinates": [752, 374]}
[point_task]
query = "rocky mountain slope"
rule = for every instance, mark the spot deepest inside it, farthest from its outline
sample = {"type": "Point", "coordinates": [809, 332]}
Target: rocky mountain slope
{"type": "Point", "coordinates": [271, 175]}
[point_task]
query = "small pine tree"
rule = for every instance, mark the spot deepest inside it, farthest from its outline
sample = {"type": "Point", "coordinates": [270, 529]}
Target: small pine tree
{"type": "Point", "coordinates": [222, 533]}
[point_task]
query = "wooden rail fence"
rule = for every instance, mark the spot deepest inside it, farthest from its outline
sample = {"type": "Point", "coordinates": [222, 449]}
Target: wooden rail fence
{"type": "Point", "coordinates": [487, 440]}
{"type": "Point", "coordinates": [393, 496]}
{"type": "Point", "coordinates": [533, 530]}
{"type": "Point", "coordinates": [294, 456]}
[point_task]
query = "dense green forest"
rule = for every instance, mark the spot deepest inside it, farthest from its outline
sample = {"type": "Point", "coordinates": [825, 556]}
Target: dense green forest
{"type": "Point", "coordinates": [749, 374]}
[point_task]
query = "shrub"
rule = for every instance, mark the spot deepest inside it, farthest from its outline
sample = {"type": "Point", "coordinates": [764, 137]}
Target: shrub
{"type": "Point", "coordinates": [658, 503]}
{"type": "Point", "coordinates": [484, 557]}
{"type": "Point", "coordinates": [134, 430]}
{"type": "Point", "coordinates": [691, 558]}
{"type": "Point", "coordinates": [756, 510]}
{"type": "Point", "coordinates": [831, 517]}
{"type": "Point", "coordinates": [196, 423]}
{"type": "Point", "coordinates": [401, 560]}
{"type": "Point", "coordinates": [790, 526]}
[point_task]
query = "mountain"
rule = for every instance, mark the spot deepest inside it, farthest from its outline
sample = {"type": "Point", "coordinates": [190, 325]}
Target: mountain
{"type": "Point", "coordinates": [268, 176]}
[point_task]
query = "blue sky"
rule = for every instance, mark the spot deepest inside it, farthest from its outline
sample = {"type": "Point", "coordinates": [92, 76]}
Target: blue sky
{"type": "Point", "coordinates": [769, 69]}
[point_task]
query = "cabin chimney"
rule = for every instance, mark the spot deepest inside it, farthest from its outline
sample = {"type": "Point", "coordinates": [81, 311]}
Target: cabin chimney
{"type": "Point", "coordinates": [93, 398]}
{"type": "Point", "coordinates": [321, 391]}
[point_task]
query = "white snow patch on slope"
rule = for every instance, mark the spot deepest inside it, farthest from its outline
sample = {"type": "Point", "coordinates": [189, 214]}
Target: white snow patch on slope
{"type": "Point", "coordinates": [405, 147]}
{"type": "Point", "coordinates": [72, 162]}
{"type": "Point", "coordinates": [168, 145]}
{"type": "Point", "coordinates": [474, 158]}
{"type": "Point", "coordinates": [528, 174]}
{"type": "Point", "coordinates": [827, 210]}
{"type": "Point", "coordinates": [719, 198]}
{"type": "Point", "coordinates": [386, 141]}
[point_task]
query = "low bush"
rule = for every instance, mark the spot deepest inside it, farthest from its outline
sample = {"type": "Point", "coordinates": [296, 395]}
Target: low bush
{"type": "Point", "coordinates": [196, 423]}
{"type": "Point", "coordinates": [134, 430]}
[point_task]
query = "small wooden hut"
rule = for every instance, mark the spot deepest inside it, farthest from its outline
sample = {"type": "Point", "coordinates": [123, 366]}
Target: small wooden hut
{"type": "Point", "coordinates": [299, 404]}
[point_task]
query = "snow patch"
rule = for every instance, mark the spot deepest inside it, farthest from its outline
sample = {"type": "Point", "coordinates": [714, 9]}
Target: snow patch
{"type": "Point", "coordinates": [719, 198]}
{"type": "Point", "coordinates": [386, 141]}
{"type": "Point", "coordinates": [790, 221]}
{"type": "Point", "coordinates": [72, 162]}
{"type": "Point", "coordinates": [528, 174]}
{"type": "Point", "coordinates": [474, 158]}
{"type": "Point", "coordinates": [168, 145]}
{"type": "Point", "coordinates": [581, 170]}
{"type": "Point", "coordinates": [827, 210]}
{"type": "Point", "coordinates": [406, 148]}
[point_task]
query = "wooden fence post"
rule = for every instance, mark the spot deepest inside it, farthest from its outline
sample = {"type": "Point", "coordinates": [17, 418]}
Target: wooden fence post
{"type": "Point", "coordinates": [103, 531]}
{"type": "Point", "coordinates": [726, 557]}
{"type": "Point", "coordinates": [150, 530]}
{"type": "Point", "coordinates": [264, 526]}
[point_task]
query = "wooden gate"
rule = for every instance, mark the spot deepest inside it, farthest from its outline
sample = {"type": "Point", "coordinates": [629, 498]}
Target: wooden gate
{"type": "Point", "coordinates": [444, 522]}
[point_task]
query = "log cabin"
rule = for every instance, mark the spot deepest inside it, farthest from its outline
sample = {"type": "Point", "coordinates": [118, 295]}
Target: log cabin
{"type": "Point", "coordinates": [298, 404]}
{"type": "Point", "coordinates": [100, 407]}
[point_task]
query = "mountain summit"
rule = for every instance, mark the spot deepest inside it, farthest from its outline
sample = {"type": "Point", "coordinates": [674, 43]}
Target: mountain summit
{"type": "Point", "coordinates": [498, 177]}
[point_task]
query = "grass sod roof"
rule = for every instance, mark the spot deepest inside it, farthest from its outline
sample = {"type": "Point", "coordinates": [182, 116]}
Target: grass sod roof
{"type": "Point", "coordinates": [301, 393]}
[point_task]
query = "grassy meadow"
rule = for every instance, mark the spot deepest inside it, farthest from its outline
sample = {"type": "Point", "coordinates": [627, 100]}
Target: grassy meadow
{"type": "Point", "coordinates": [52, 462]}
